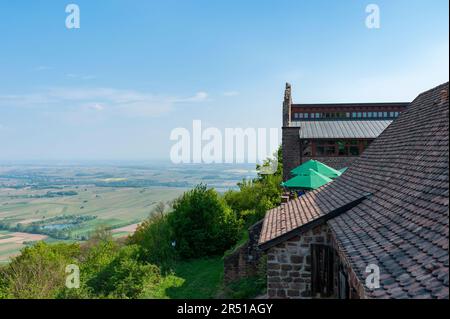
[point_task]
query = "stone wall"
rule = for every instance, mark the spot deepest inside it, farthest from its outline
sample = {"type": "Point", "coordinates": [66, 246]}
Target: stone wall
{"type": "Point", "coordinates": [244, 262]}
{"type": "Point", "coordinates": [289, 264]}
{"type": "Point", "coordinates": [356, 287]}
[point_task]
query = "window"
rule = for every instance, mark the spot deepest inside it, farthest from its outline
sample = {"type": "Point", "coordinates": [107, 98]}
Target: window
{"type": "Point", "coordinates": [370, 114]}
{"type": "Point", "coordinates": [313, 115]}
{"type": "Point", "coordinates": [353, 150]}
{"type": "Point", "coordinates": [396, 114]}
{"type": "Point", "coordinates": [359, 114]}
{"type": "Point", "coordinates": [354, 114]}
{"type": "Point", "coordinates": [326, 148]}
{"type": "Point", "coordinates": [347, 114]}
{"type": "Point", "coordinates": [306, 148]}
{"type": "Point", "coordinates": [343, 286]}
{"type": "Point", "coordinates": [342, 148]}
{"type": "Point", "coordinates": [380, 114]}
{"type": "Point", "coordinates": [317, 115]}
{"type": "Point", "coordinates": [300, 115]}
{"type": "Point", "coordinates": [385, 114]}
{"type": "Point", "coordinates": [365, 114]}
{"type": "Point", "coordinates": [306, 115]}
{"type": "Point", "coordinates": [391, 114]}
{"type": "Point", "coordinates": [296, 115]}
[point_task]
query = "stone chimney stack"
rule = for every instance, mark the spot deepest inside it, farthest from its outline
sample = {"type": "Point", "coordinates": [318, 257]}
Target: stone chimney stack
{"type": "Point", "coordinates": [287, 106]}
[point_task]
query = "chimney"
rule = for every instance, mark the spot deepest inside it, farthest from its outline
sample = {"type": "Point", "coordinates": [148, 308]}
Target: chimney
{"type": "Point", "coordinates": [287, 106]}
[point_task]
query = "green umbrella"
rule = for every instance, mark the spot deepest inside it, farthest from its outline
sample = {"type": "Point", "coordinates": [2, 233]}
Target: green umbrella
{"type": "Point", "coordinates": [342, 170]}
{"type": "Point", "coordinates": [318, 167]}
{"type": "Point", "coordinates": [312, 180]}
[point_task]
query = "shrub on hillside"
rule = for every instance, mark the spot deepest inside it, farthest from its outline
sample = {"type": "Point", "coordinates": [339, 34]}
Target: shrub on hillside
{"type": "Point", "coordinates": [39, 272]}
{"type": "Point", "coordinates": [125, 276]}
{"type": "Point", "coordinates": [256, 196]}
{"type": "Point", "coordinates": [155, 239]}
{"type": "Point", "coordinates": [202, 224]}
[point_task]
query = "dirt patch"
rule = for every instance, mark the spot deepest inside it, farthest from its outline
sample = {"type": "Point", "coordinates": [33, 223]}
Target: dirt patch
{"type": "Point", "coordinates": [20, 238]}
{"type": "Point", "coordinates": [29, 221]}
{"type": "Point", "coordinates": [128, 229]}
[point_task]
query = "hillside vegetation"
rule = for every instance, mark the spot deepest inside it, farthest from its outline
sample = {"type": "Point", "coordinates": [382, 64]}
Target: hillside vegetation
{"type": "Point", "coordinates": [176, 253]}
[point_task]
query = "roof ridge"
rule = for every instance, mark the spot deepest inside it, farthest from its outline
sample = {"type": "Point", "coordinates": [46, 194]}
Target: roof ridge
{"type": "Point", "coordinates": [431, 90]}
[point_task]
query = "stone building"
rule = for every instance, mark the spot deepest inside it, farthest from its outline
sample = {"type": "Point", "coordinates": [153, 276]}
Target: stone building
{"type": "Point", "coordinates": [381, 230]}
{"type": "Point", "coordinates": [335, 134]}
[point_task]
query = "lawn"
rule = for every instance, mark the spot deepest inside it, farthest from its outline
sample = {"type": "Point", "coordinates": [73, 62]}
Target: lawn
{"type": "Point", "coordinates": [194, 279]}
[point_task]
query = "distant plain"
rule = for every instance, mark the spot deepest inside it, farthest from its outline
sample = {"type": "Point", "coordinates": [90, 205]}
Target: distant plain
{"type": "Point", "coordinates": [114, 195]}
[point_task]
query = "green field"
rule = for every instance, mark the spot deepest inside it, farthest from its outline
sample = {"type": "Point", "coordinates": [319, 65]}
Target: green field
{"type": "Point", "coordinates": [7, 249]}
{"type": "Point", "coordinates": [35, 197]}
{"type": "Point", "coordinates": [113, 207]}
{"type": "Point", "coordinates": [120, 204]}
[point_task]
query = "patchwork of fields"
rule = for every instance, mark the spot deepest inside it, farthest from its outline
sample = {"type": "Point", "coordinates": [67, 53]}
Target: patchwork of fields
{"type": "Point", "coordinates": [113, 207]}
{"type": "Point", "coordinates": [67, 203]}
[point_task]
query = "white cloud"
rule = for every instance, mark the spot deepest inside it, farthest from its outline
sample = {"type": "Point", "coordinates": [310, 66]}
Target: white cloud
{"type": "Point", "coordinates": [115, 101]}
{"type": "Point", "coordinates": [198, 97]}
{"type": "Point", "coordinates": [96, 107]}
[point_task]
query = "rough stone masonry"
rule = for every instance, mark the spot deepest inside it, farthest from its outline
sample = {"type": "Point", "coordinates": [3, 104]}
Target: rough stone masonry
{"type": "Point", "coordinates": [289, 264]}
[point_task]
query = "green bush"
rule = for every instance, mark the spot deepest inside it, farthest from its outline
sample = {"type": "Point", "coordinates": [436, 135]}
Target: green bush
{"type": "Point", "coordinates": [154, 236]}
{"type": "Point", "coordinates": [202, 224]}
{"type": "Point", "coordinates": [39, 272]}
{"type": "Point", "coordinates": [254, 197]}
{"type": "Point", "coordinates": [3, 284]}
{"type": "Point", "coordinates": [125, 276]}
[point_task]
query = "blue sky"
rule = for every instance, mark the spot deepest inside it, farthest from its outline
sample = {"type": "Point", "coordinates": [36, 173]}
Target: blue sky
{"type": "Point", "coordinates": [115, 88]}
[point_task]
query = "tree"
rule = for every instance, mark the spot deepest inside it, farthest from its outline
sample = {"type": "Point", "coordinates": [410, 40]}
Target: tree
{"type": "Point", "coordinates": [154, 236]}
{"type": "Point", "coordinates": [256, 196]}
{"type": "Point", "coordinates": [202, 223]}
{"type": "Point", "coordinates": [124, 276]}
{"type": "Point", "coordinates": [39, 272]}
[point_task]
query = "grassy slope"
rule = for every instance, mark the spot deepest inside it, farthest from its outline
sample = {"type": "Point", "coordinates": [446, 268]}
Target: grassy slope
{"type": "Point", "coordinates": [194, 279]}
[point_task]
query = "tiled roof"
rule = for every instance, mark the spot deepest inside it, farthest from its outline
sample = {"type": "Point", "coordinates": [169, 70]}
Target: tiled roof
{"type": "Point", "coordinates": [341, 129]}
{"type": "Point", "coordinates": [355, 105]}
{"type": "Point", "coordinates": [404, 226]}
{"type": "Point", "coordinates": [298, 215]}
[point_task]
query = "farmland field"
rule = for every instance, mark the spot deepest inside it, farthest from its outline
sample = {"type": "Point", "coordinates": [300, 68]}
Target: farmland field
{"type": "Point", "coordinates": [68, 202]}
